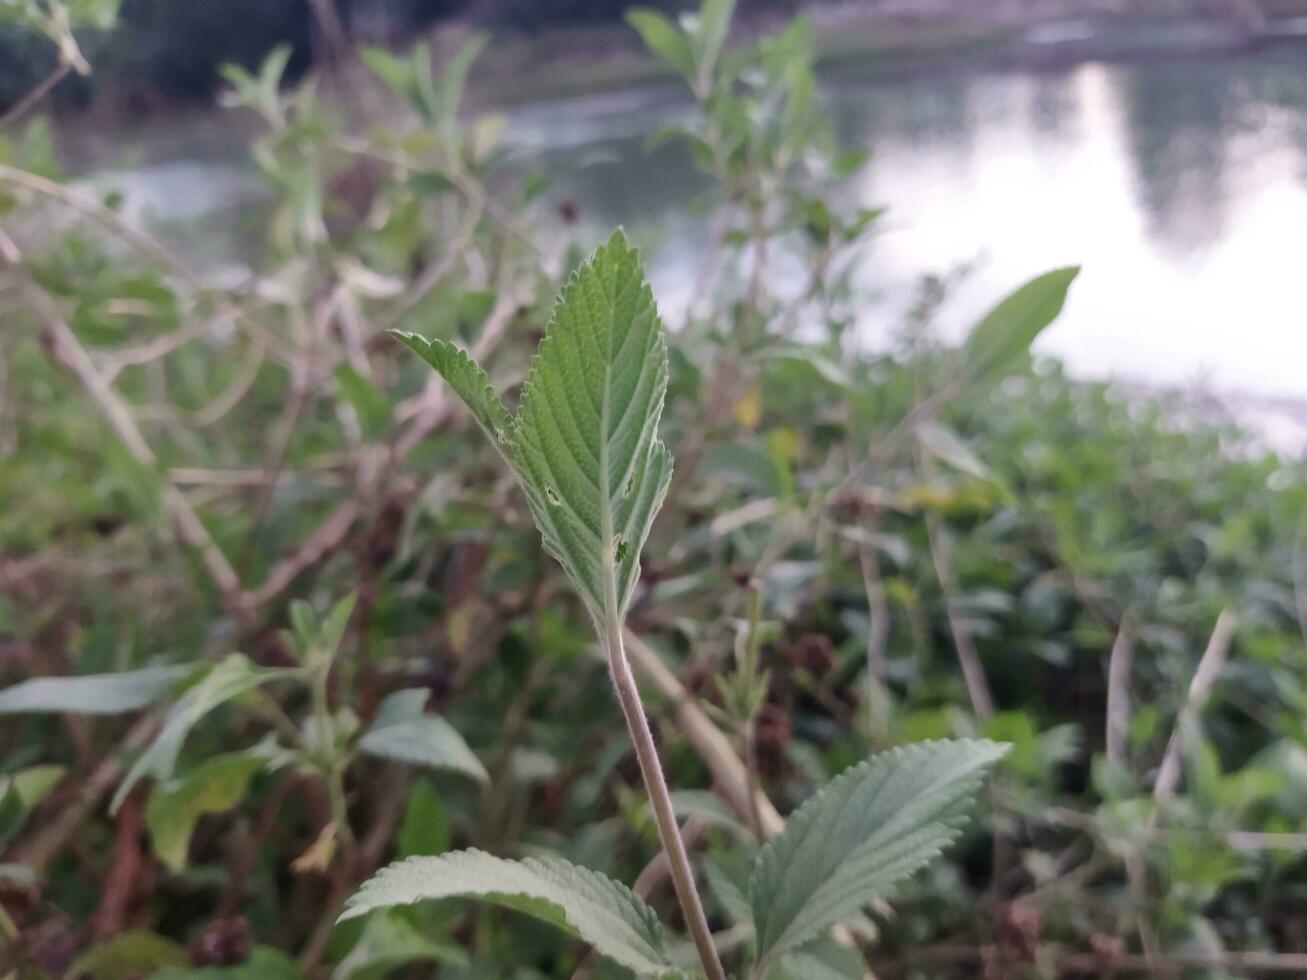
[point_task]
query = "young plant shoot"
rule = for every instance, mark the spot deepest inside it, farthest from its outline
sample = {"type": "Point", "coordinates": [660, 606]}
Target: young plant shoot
{"type": "Point", "coordinates": [584, 446]}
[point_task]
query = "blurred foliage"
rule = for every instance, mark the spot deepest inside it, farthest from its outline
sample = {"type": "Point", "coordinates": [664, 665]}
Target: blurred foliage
{"type": "Point", "coordinates": [846, 530]}
{"type": "Point", "coordinates": [172, 50]}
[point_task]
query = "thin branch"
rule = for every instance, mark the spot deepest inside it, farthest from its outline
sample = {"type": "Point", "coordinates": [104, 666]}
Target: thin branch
{"type": "Point", "coordinates": [1118, 689]}
{"type": "Point", "coordinates": [112, 222]}
{"type": "Point", "coordinates": [325, 539]}
{"type": "Point", "coordinates": [877, 627]}
{"type": "Point", "coordinates": [1248, 841]}
{"type": "Point", "coordinates": [973, 673]}
{"type": "Point", "coordinates": [434, 404]}
{"type": "Point", "coordinates": [68, 351]}
{"type": "Point", "coordinates": [1298, 563]}
{"type": "Point", "coordinates": [1209, 669]}
{"type": "Point", "coordinates": [637, 723]}
{"type": "Point", "coordinates": [113, 364]}
{"type": "Point", "coordinates": [920, 412]}
{"type": "Point", "coordinates": [714, 748]}
{"type": "Point", "coordinates": [335, 38]}
{"type": "Point", "coordinates": [231, 396]}
{"type": "Point", "coordinates": [651, 876]}
{"type": "Point", "coordinates": [1095, 964]}
{"type": "Point", "coordinates": [55, 834]}
{"type": "Point", "coordinates": [728, 771]}
{"type": "Point", "coordinates": [431, 276]}
{"type": "Point", "coordinates": [29, 101]}
{"type": "Point", "coordinates": [105, 217]}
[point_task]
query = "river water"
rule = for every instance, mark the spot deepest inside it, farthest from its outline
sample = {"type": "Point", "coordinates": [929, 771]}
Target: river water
{"type": "Point", "coordinates": [1179, 186]}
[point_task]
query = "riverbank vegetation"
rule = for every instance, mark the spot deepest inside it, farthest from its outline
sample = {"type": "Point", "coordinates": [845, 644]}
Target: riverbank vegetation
{"type": "Point", "coordinates": [157, 58]}
{"type": "Point", "coordinates": [281, 606]}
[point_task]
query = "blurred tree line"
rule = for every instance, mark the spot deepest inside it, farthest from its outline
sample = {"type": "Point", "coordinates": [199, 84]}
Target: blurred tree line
{"type": "Point", "coordinates": [170, 50]}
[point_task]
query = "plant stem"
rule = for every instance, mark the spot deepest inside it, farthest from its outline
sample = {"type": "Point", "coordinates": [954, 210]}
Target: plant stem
{"type": "Point", "coordinates": [28, 101]}
{"type": "Point", "coordinates": [749, 724]}
{"type": "Point", "coordinates": [333, 773]}
{"type": "Point", "coordinates": [628, 695]}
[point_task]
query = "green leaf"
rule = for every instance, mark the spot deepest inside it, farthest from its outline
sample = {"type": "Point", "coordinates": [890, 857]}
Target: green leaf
{"type": "Point", "coordinates": [583, 903]}
{"type": "Point", "coordinates": [127, 956]}
{"type": "Point", "coordinates": [727, 874]}
{"type": "Point", "coordinates": [425, 829]}
{"type": "Point", "coordinates": [402, 731]}
{"type": "Point", "coordinates": [585, 441]}
{"type": "Point", "coordinates": [228, 679]}
{"type": "Point", "coordinates": [706, 807]}
{"type": "Point", "coordinates": [867, 829]}
{"type": "Point", "coordinates": [584, 445]}
{"type": "Point", "coordinates": [822, 959]}
{"type": "Point", "coordinates": [746, 466]}
{"type": "Point", "coordinates": [265, 963]}
{"type": "Point", "coordinates": [334, 624]}
{"type": "Point", "coordinates": [99, 14]}
{"type": "Point", "coordinates": [403, 75]}
{"type": "Point", "coordinates": [1012, 326]}
{"type": "Point", "coordinates": [22, 791]}
{"type": "Point", "coordinates": [469, 382]}
{"type": "Point", "coordinates": [664, 39]}
{"type": "Point", "coordinates": [368, 401]}
{"type": "Point", "coordinates": [92, 694]}
{"type": "Point", "coordinates": [175, 807]}
{"type": "Point", "coordinates": [261, 92]}
{"type": "Point", "coordinates": [453, 79]}
{"type": "Point", "coordinates": [389, 940]}
{"type": "Point", "coordinates": [945, 445]}
{"type": "Point", "coordinates": [33, 784]}
{"type": "Point", "coordinates": [714, 22]}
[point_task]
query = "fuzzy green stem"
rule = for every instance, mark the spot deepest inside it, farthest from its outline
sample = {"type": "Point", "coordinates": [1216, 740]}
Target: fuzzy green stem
{"type": "Point", "coordinates": [331, 763]}
{"type": "Point", "coordinates": [678, 859]}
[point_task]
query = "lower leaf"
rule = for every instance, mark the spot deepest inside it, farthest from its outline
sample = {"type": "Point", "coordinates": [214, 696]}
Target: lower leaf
{"type": "Point", "coordinates": [583, 903]}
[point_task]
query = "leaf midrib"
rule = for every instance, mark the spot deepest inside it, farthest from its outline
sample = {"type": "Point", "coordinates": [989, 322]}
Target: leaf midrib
{"type": "Point", "coordinates": [611, 619]}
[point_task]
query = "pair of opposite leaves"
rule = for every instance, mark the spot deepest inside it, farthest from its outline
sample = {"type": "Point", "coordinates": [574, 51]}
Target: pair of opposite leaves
{"type": "Point", "coordinates": [584, 446]}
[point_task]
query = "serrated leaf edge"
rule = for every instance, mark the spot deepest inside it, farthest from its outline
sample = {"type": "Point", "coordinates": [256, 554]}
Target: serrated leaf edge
{"type": "Point", "coordinates": [785, 940]}
{"type": "Point", "coordinates": [649, 917]}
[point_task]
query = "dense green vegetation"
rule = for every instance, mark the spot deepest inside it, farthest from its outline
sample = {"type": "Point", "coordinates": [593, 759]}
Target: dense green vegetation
{"type": "Point", "coordinates": [312, 626]}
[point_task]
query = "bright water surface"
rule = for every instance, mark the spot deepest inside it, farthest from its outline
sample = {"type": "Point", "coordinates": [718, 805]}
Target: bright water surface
{"type": "Point", "coordinates": [1180, 187]}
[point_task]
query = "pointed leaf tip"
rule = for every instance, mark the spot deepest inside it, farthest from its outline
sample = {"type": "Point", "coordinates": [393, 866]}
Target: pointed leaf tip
{"type": "Point", "coordinates": [468, 380]}
{"type": "Point", "coordinates": [586, 440]}
{"type": "Point", "coordinates": [582, 902]}
{"type": "Point", "coordinates": [866, 830]}
{"type": "Point", "coordinates": [584, 444]}
{"type": "Point", "coordinates": [1015, 322]}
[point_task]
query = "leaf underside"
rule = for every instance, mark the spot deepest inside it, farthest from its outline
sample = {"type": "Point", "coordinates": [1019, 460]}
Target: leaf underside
{"type": "Point", "coordinates": [584, 444]}
{"type": "Point", "coordinates": [229, 678]}
{"type": "Point", "coordinates": [867, 829]}
{"type": "Point", "coordinates": [403, 731]}
{"type": "Point", "coordinates": [584, 903]}
{"type": "Point", "coordinates": [216, 784]}
{"type": "Point", "coordinates": [92, 694]}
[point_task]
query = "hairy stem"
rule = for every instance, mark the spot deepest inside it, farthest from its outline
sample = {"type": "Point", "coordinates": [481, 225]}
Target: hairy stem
{"type": "Point", "coordinates": [661, 799]}
{"type": "Point", "coordinates": [333, 770]}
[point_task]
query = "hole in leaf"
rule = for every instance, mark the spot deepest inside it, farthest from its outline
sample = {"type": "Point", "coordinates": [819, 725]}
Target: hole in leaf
{"type": "Point", "coordinates": [620, 547]}
{"type": "Point", "coordinates": [552, 497]}
{"type": "Point", "coordinates": [630, 485]}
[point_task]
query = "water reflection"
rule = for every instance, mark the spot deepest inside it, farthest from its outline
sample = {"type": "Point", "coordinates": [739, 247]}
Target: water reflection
{"type": "Point", "coordinates": [1181, 123]}
{"type": "Point", "coordinates": [1181, 187]}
